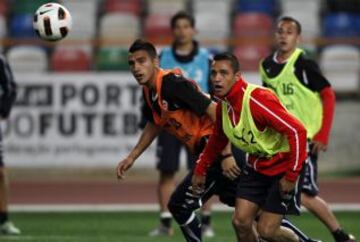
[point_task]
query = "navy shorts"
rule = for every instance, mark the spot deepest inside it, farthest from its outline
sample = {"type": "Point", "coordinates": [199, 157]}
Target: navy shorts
{"type": "Point", "coordinates": [310, 183]}
{"type": "Point", "coordinates": [264, 191]}
{"type": "Point", "coordinates": [168, 153]}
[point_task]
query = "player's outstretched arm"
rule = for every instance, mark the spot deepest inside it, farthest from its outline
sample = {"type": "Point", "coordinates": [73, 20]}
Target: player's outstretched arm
{"type": "Point", "coordinates": [148, 135]}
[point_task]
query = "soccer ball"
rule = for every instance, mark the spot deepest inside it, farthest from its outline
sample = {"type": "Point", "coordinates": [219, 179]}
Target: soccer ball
{"type": "Point", "coordinates": [52, 22]}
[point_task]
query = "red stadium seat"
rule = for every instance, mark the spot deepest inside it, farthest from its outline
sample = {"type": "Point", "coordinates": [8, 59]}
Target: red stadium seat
{"type": "Point", "coordinates": [3, 8]}
{"type": "Point", "coordinates": [252, 24]}
{"type": "Point", "coordinates": [125, 6]}
{"type": "Point", "coordinates": [70, 59]}
{"type": "Point", "coordinates": [250, 56]}
{"type": "Point", "coordinates": [157, 27]}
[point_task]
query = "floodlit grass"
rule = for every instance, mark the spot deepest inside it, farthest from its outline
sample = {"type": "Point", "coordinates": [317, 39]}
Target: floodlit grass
{"type": "Point", "coordinates": [134, 227]}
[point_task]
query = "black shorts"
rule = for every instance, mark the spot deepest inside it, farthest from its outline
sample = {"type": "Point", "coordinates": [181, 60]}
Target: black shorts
{"type": "Point", "coordinates": [310, 183]}
{"type": "Point", "coordinates": [168, 153]}
{"type": "Point", "coordinates": [216, 184]}
{"type": "Point", "coordinates": [264, 191]}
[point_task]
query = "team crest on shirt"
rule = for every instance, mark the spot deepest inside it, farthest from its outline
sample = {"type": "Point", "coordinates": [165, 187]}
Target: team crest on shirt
{"type": "Point", "coordinates": [165, 105]}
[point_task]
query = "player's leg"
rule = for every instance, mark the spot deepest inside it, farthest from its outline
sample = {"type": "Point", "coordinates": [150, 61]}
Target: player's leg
{"type": "Point", "coordinates": [206, 227]}
{"type": "Point", "coordinates": [302, 236]}
{"type": "Point", "coordinates": [6, 227]}
{"type": "Point", "coordinates": [168, 151]}
{"type": "Point", "coordinates": [269, 228]}
{"type": "Point", "coordinates": [243, 220]}
{"type": "Point", "coordinates": [251, 193]}
{"type": "Point", "coordinates": [317, 206]}
{"type": "Point", "coordinates": [183, 204]}
{"type": "Point", "coordinates": [275, 208]}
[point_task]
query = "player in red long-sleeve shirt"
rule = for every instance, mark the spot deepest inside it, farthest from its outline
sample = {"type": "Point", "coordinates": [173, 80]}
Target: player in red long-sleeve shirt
{"type": "Point", "coordinates": [253, 119]}
{"type": "Point", "coordinates": [308, 95]}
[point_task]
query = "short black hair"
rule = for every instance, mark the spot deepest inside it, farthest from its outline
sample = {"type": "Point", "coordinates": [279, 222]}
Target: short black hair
{"type": "Point", "coordinates": [291, 19]}
{"type": "Point", "coordinates": [182, 15]}
{"type": "Point", "coordinates": [141, 44]}
{"type": "Point", "coordinates": [235, 65]}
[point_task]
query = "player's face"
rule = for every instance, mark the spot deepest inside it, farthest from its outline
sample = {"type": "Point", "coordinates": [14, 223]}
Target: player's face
{"type": "Point", "coordinates": [183, 31]}
{"type": "Point", "coordinates": [222, 77]}
{"type": "Point", "coordinates": [142, 66]}
{"type": "Point", "coordinates": [287, 36]}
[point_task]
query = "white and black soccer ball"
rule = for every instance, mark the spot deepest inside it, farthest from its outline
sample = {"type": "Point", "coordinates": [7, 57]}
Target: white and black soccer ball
{"type": "Point", "coordinates": [52, 22]}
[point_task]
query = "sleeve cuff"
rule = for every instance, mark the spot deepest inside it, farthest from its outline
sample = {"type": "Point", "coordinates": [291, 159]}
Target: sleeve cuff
{"type": "Point", "coordinates": [291, 176]}
{"type": "Point", "coordinates": [200, 170]}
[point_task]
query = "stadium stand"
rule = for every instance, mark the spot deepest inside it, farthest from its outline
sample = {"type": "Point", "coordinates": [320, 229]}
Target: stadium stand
{"type": "Point", "coordinates": [24, 58]}
{"type": "Point", "coordinates": [84, 14]}
{"type": "Point", "coordinates": [122, 6]}
{"type": "Point", "coordinates": [166, 7]}
{"type": "Point", "coordinates": [157, 28]}
{"type": "Point", "coordinates": [21, 26]}
{"type": "Point", "coordinates": [71, 58]}
{"type": "Point", "coordinates": [341, 25]}
{"type": "Point", "coordinates": [340, 63]}
{"type": "Point", "coordinates": [270, 7]}
{"type": "Point", "coordinates": [24, 7]}
{"type": "Point", "coordinates": [112, 59]}
{"type": "Point", "coordinates": [120, 27]}
{"type": "Point", "coordinates": [106, 27]}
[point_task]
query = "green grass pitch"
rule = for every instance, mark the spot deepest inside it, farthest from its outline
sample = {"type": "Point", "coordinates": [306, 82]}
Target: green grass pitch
{"type": "Point", "coordinates": [134, 226]}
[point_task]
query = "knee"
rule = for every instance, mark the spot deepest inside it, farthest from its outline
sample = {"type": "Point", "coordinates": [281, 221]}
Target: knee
{"type": "Point", "coordinates": [265, 231]}
{"type": "Point", "coordinates": [241, 224]}
{"type": "Point", "coordinates": [307, 200]}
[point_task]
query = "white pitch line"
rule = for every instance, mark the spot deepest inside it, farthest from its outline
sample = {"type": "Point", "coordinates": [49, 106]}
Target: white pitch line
{"type": "Point", "coordinates": [139, 207]}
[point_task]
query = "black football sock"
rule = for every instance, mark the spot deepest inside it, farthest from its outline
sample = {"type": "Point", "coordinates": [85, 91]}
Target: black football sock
{"type": "Point", "coordinates": [3, 217]}
{"type": "Point", "coordinates": [340, 235]}
{"type": "Point", "coordinates": [165, 219]}
{"type": "Point", "coordinates": [205, 218]}
{"type": "Point", "coordinates": [192, 229]}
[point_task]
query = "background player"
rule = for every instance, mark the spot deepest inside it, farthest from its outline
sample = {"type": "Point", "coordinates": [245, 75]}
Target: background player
{"type": "Point", "coordinates": [7, 98]}
{"type": "Point", "coordinates": [307, 94]}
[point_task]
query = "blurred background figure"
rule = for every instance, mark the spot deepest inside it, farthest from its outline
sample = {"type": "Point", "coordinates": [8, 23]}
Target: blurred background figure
{"type": "Point", "coordinates": [299, 84]}
{"type": "Point", "coordinates": [7, 99]}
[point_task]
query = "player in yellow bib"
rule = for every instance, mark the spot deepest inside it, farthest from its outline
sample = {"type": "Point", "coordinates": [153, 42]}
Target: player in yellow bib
{"type": "Point", "coordinates": [307, 94]}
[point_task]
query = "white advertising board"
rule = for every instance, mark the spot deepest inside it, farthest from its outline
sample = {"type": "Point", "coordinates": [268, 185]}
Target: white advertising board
{"type": "Point", "coordinates": [76, 120]}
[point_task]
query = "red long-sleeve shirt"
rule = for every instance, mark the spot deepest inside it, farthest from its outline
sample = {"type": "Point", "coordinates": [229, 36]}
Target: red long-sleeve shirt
{"type": "Point", "coordinates": [266, 111]}
{"type": "Point", "coordinates": [327, 96]}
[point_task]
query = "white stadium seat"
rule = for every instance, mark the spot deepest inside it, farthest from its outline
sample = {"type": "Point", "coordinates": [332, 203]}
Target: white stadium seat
{"type": "Point", "coordinates": [167, 7]}
{"type": "Point", "coordinates": [340, 64]}
{"type": "Point", "coordinates": [27, 59]}
{"type": "Point", "coordinates": [119, 26]}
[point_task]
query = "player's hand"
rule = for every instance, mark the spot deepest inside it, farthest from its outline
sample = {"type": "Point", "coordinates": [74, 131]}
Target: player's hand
{"type": "Point", "coordinates": [198, 184]}
{"type": "Point", "coordinates": [123, 166]}
{"type": "Point", "coordinates": [317, 147]}
{"type": "Point", "coordinates": [286, 188]}
{"type": "Point", "coordinates": [230, 168]}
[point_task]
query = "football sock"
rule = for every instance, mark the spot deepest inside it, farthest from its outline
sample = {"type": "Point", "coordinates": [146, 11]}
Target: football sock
{"type": "Point", "coordinates": [206, 218]}
{"type": "Point", "coordinates": [192, 229]}
{"type": "Point", "coordinates": [3, 217]}
{"type": "Point", "coordinates": [165, 219]}
{"type": "Point", "coordinates": [340, 235]}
